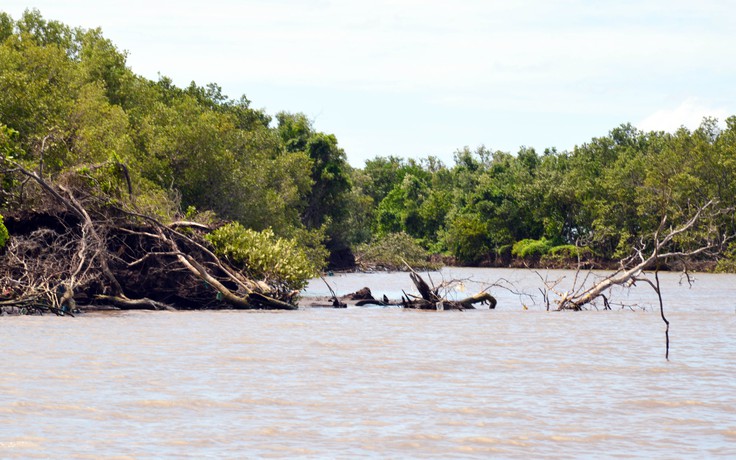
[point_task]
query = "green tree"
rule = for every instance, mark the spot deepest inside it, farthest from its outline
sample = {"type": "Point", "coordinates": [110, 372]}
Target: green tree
{"type": "Point", "coordinates": [467, 238]}
{"type": "Point", "coordinates": [326, 203]}
{"type": "Point", "coordinates": [384, 173]}
{"type": "Point", "coordinates": [103, 63]}
{"type": "Point", "coordinates": [7, 25]}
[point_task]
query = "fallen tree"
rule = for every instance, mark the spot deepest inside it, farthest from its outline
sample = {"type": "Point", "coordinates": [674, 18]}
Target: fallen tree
{"type": "Point", "coordinates": [696, 236]}
{"type": "Point", "coordinates": [663, 246]}
{"type": "Point", "coordinates": [429, 298]}
{"type": "Point", "coordinates": [77, 247]}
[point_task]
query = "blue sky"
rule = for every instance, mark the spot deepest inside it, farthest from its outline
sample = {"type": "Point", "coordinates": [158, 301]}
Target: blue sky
{"type": "Point", "coordinates": [416, 78]}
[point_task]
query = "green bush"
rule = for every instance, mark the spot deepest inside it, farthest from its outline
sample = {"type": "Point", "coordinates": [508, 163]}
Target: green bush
{"type": "Point", "coordinates": [389, 251]}
{"type": "Point", "coordinates": [566, 253]}
{"type": "Point", "coordinates": [279, 262]}
{"type": "Point", "coordinates": [727, 264]}
{"type": "Point", "coordinates": [569, 251]}
{"type": "Point", "coordinates": [4, 236]}
{"type": "Point", "coordinates": [530, 249]}
{"type": "Point", "coordinates": [312, 242]}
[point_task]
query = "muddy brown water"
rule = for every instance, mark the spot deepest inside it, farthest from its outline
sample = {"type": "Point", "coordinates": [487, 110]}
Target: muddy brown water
{"type": "Point", "coordinates": [380, 382]}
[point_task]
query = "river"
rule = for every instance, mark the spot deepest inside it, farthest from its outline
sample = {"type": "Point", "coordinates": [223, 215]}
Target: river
{"type": "Point", "coordinates": [515, 382]}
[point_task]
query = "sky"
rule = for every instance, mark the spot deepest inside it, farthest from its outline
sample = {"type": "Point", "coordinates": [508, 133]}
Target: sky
{"type": "Point", "coordinates": [414, 78]}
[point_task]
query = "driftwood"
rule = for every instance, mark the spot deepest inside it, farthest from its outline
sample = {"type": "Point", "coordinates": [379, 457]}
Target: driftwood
{"type": "Point", "coordinates": [482, 298]}
{"type": "Point", "coordinates": [135, 304]}
{"type": "Point", "coordinates": [382, 302]}
{"type": "Point", "coordinates": [336, 303]}
{"type": "Point", "coordinates": [432, 300]}
{"type": "Point", "coordinates": [361, 294]}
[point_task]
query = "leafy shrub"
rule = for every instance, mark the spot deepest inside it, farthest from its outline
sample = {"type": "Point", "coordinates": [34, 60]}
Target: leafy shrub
{"type": "Point", "coordinates": [4, 236]}
{"type": "Point", "coordinates": [529, 249]}
{"type": "Point", "coordinates": [727, 264]}
{"type": "Point", "coordinates": [566, 253]}
{"type": "Point", "coordinates": [312, 242]}
{"type": "Point", "coordinates": [264, 256]}
{"type": "Point", "coordinates": [389, 251]}
{"type": "Point", "coordinates": [569, 251]}
{"type": "Point", "coordinates": [157, 202]}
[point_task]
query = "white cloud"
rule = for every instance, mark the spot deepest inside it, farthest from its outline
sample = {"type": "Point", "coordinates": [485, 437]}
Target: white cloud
{"type": "Point", "coordinates": [558, 71]}
{"type": "Point", "coordinates": [688, 114]}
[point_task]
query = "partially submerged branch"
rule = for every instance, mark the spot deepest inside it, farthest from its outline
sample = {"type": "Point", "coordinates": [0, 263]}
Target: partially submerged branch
{"type": "Point", "coordinates": [647, 258]}
{"type": "Point", "coordinates": [432, 300]}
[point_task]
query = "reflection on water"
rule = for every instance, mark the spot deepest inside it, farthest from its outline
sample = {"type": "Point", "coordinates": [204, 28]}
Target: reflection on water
{"type": "Point", "coordinates": [377, 382]}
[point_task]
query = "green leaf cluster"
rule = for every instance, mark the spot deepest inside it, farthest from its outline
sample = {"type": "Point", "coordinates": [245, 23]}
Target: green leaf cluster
{"type": "Point", "coordinates": [4, 236]}
{"type": "Point", "coordinates": [531, 249]}
{"type": "Point", "coordinates": [727, 264]}
{"type": "Point", "coordinates": [263, 256]}
{"type": "Point", "coordinates": [566, 254]}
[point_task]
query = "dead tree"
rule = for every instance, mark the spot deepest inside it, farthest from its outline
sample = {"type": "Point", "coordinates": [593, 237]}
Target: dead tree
{"type": "Point", "coordinates": [644, 257]}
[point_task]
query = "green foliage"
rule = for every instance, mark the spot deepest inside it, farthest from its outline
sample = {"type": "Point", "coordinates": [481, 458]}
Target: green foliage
{"type": "Point", "coordinates": [4, 236]}
{"type": "Point", "coordinates": [391, 250]}
{"type": "Point", "coordinates": [277, 261]}
{"type": "Point", "coordinates": [156, 202]}
{"type": "Point", "coordinates": [328, 200]}
{"type": "Point", "coordinates": [727, 264]}
{"type": "Point", "coordinates": [467, 238]}
{"type": "Point", "coordinates": [8, 139]}
{"type": "Point", "coordinates": [531, 249]}
{"type": "Point", "coordinates": [565, 254]}
{"type": "Point", "coordinates": [6, 26]}
{"type": "Point", "coordinates": [569, 251]}
{"type": "Point", "coordinates": [69, 106]}
{"type": "Point", "coordinates": [312, 242]}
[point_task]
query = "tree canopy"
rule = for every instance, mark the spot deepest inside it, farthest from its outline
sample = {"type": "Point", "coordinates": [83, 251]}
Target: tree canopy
{"type": "Point", "coordinates": [70, 103]}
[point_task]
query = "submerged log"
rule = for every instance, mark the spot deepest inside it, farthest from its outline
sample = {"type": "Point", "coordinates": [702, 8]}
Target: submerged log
{"type": "Point", "coordinates": [361, 294]}
{"type": "Point", "coordinates": [362, 303]}
{"type": "Point", "coordinates": [431, 300]}
{"type": "Point", "coordinates": [482, 298]}
{"type": "Point", "coordinates": [134, 304]}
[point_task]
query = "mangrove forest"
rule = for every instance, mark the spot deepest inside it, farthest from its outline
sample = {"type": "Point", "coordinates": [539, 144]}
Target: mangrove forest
{"type": "Point", "coordinates": [120, 190]}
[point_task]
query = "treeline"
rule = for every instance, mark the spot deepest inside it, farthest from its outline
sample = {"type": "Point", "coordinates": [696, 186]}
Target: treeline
{"type": "Point", "coordinates": [597, 202]}
{"type": "Point", "coordinates": [68, 102]}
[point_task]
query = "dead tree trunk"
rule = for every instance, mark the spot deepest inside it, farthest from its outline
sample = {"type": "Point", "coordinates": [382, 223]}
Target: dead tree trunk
{"type": "Point", "coordinates": [647, 258]}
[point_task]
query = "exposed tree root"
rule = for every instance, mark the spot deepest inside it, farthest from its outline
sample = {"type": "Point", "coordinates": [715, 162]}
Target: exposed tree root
{"type": "Point", "coordinates": [82, 251]}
